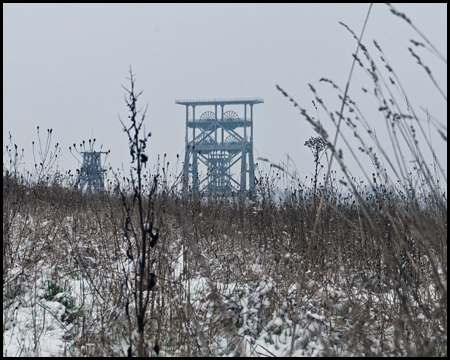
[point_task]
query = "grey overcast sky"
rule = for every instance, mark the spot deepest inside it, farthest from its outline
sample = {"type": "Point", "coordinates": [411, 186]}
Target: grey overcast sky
{"type": "Point", "coordinates": [64, 64]}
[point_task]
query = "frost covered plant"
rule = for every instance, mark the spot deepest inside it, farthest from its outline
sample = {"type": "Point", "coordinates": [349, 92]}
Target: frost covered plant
{"type": "Point", "coordinates": [317, 145]}
{"type": "Point", "coordinates": [140, 235]}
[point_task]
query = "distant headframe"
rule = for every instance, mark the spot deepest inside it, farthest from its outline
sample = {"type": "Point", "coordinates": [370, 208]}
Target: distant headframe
{"type": "Point", "coordinates": [91, 178]}
{"type": "Point", "coordinates": [221, 140]}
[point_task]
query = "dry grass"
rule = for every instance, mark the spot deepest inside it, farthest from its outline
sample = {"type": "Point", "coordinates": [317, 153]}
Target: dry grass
{"type": "Point", "coordinates": [378, 290]}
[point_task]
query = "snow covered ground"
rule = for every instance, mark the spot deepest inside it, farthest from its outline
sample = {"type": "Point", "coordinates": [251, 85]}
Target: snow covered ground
{"type": "Point", "coordinates": [48, 306]}
{"type": "Point", "coordinates": [39, 323]}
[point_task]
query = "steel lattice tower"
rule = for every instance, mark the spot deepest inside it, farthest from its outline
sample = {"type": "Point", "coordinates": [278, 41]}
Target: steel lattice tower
{"type": "Point", "coordinates": [219, 139]}
{"type": "Point", "coordinates": [91, 178]}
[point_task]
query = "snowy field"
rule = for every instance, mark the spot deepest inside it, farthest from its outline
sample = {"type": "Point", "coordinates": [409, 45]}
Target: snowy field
{"type": "Point", "coordinates": [59, 305]}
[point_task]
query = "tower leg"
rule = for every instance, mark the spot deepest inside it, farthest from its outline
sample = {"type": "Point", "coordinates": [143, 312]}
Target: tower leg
{"type": "Point", "coordinates": [243, 170]}
{"type": "Point", "coordinates": [195, 172]}
{"type": "Point", "coordinates": [251, 169]}
{"type": "Point", "coordinates": [186, 171]}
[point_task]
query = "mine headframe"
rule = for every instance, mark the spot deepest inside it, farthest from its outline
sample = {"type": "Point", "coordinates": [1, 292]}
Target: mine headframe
{"type": "Point", "coordinates": [91, 177]}
{"type": "Point", "coordinates": [222, 141]}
